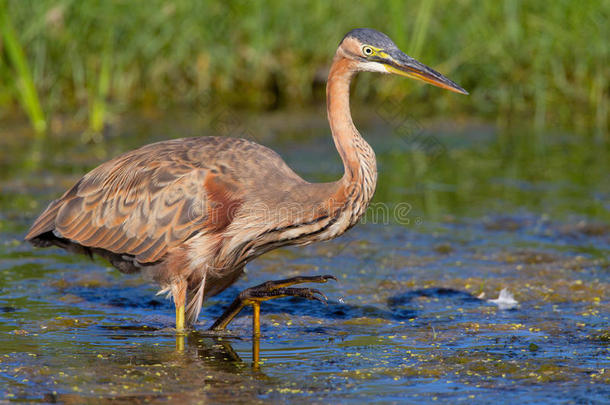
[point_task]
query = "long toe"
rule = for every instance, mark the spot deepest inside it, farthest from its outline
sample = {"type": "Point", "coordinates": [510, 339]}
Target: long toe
{"type": "Point", "coordinates": [271, 290]}
{"type": "Point", "coordinates": [275, 284]}
{"type": "Point", "coordinates": [309, 293]}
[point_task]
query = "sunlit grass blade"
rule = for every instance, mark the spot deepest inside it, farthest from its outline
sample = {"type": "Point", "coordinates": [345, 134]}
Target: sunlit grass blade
{"type": "Point", "coordinates": [99, 93]}
{"type": "Point", "coordinates": [420, 30]}
{"type": "Point", "coordinates": [23, 77]}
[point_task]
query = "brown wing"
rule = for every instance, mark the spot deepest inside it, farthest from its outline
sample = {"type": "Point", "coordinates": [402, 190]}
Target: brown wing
{"type": "Point", "coordinates": [142, 203]}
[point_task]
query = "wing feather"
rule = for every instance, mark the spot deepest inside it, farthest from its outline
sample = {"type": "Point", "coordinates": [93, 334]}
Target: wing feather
{"type": "Point", "coordinates": [142, 203]}
{"type": "Point", "coordinates": [151, 200]}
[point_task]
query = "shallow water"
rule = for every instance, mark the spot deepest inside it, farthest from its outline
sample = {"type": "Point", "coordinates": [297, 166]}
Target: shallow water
{"type": "Point", "coordinates": [409, 318]}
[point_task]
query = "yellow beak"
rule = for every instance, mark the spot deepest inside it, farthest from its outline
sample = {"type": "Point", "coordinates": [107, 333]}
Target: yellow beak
{"type": "Point", "coordinates": [401, 64]}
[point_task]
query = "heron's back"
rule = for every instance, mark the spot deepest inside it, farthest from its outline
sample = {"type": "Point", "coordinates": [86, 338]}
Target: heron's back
{"type": "Point", "coordinates": [150, 200]}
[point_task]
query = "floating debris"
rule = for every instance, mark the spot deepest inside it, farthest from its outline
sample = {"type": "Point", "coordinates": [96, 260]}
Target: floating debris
{"type": "Point", "coordinates": [505, 300]}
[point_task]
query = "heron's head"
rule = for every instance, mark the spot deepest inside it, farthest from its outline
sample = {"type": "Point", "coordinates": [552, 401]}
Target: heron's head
{"type": "Point", "coordinates": [374, 51]}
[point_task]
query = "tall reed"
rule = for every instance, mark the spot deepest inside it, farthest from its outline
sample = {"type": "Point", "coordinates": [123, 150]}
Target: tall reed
{"type": "Point", "coordinates": [23, 81]}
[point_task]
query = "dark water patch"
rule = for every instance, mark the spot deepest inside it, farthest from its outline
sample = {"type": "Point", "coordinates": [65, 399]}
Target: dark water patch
{"type": "Point", "coordinates": [119, 296]}
{"type": "Point", "coordinates": [130, 328]}
{"type": "Point", "coordinates": [409, 304]}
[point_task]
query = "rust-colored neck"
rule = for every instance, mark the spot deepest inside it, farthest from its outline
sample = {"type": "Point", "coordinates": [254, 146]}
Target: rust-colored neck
{"type": "Point", "coordinates": [357, 155]}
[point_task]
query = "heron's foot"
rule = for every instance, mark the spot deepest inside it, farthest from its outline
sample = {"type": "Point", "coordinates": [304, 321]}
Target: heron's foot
{"type": "Point", "coordinates": [268, 291]}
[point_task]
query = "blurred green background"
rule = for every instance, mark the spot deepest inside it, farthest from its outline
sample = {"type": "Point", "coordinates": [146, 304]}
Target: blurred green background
{"type": "Point", "coordinates": [539, 61]}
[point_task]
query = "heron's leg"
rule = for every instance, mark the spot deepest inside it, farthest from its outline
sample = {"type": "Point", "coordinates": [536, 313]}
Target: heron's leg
{"type": "Point", "coordinates": [179, 294]}
{"type": "Point", "coordinates": [268, 291]}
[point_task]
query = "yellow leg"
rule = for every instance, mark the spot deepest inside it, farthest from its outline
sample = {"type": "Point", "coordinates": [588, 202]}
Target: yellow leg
{"type": "Point", "coordinates": [256, 318]}
{"type": "Point", "coordinates": [267, 291]}
{"type": "Point", "coordinates": [180, 318]}
{"type": "Point", "coordinates": [256, 350]}
{"type": "Point", "coordinates": [256, 334]}
{"type": "Point", "coordinates": [180, 342]}
{"type": "Point", "coordinates": [179, 293]}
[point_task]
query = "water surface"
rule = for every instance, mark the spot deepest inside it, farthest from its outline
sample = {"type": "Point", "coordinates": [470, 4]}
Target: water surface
{"type": "Point", "coordinates": [462, 211]}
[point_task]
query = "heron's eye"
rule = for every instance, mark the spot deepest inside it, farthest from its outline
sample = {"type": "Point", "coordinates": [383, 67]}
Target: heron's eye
{"type": "Point", "coordinates": [367, 50]}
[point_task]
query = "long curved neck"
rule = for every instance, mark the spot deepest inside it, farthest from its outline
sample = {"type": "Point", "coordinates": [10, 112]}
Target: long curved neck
{"type": "Point", "coordinates": [357, 155]}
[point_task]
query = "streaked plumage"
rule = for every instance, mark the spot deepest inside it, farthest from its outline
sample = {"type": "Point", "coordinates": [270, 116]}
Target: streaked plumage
{"type": "Point", "coordinates": [190, 213]}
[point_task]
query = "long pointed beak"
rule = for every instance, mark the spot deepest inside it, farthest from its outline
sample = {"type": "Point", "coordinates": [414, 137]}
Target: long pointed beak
{"type": "Point", "coordinates": [404, 65]}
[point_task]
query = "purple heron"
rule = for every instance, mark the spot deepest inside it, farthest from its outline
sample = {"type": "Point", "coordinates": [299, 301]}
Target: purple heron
{"type": "Point", "coordinates": [190, 213]}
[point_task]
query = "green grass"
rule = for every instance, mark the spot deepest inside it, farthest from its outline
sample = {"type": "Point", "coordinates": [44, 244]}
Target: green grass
{"type": "Point", "coordinates": [520, 60]}
{"type": "Point", "coordinates": [99, 92]}
{"type": "Point", "coordinates": [22, 77]}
